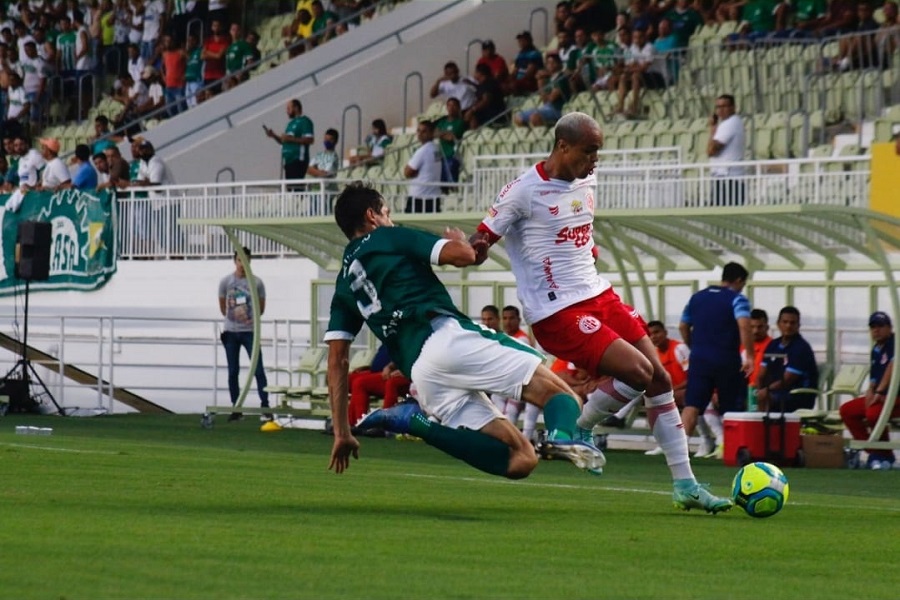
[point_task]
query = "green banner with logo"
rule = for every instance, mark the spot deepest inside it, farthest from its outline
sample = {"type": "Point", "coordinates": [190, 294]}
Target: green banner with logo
{"type": "Point", "coordinates": [82, 251]}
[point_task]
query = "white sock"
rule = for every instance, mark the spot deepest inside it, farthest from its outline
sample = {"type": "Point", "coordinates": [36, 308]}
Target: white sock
{"type": "Point", "coordinates": [513, 408]}
{"type": "Point", "coordinates": [531, 416]}
{"type": "Point", "coordinates": [665, 422]}
{"type": "Point", "coordinates": [714, 420]}
{"type": "Point", "coordinates": [625, 412]}
{"type": "Point", "coordinates": [703, 429]}
{"type": "Point", "coordinates": [610, 394]}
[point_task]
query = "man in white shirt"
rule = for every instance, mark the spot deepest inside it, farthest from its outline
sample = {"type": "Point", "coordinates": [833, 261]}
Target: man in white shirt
{"type": "Point", "coordinates": [638, 62]}
{"type": "Point", "coordinates": [34, 71]}
{"type": "Point", "coordinates": [451, 85]}
{"type": "Point", "coordinates": [547, 216]}
{"type": "Point", "coordinates": [154, 22]}
{"type": "Point", "coordinates": [726, 145]}
{"type": "Point", "coordinates": [56, 174]}
{"type": "Point", "coordinates": [152, 171]}
{"type": "Point", "coordinates": [29, 165]}
{"type": "Point", "coordinates": [424, 169]}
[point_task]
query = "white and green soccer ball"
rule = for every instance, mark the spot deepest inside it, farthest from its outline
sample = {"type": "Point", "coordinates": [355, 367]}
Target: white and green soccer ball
{"type": "Point", "coordinates": [761, 489]}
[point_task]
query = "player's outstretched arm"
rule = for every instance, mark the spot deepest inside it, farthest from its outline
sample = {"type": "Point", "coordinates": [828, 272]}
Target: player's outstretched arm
{"type": "Point", "coordinates": [458, 252]}
{"type": "Point", "coordinates": [345, 444]}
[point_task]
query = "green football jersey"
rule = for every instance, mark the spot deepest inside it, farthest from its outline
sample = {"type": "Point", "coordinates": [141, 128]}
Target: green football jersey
{"type": "Point", "coordinates": [386, 281]}
{"type": "Point", "coordinates": [297, 127]}
{"type": "Point", "coordinates": [65, 46]}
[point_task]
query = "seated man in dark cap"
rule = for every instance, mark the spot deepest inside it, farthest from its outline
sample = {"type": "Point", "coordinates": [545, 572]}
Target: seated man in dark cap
{"type": "Point", "coordinates": [861, 414]}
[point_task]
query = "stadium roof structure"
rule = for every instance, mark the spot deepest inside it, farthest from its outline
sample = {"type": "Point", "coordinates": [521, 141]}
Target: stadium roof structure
{"type": "Point", "coordinates": [817, 238]}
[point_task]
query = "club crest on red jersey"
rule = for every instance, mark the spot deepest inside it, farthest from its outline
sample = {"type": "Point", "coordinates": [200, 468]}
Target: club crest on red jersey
{"type": "Point", "coordinates": [577, 206]}
{"type": "Point", "coordinates": [588, 324]}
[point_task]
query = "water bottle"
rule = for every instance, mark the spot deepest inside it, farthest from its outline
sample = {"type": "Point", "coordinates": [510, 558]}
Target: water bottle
{"type": "Point", "coordinates": [751, 399]}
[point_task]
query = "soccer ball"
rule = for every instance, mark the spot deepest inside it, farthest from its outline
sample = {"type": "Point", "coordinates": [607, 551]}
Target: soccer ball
{"type": "Point", "coordinates": [760, 488]}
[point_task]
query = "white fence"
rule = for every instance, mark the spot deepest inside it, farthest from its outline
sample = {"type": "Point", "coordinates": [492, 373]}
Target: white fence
{"type": "Point", "coordinates": [149, 221]}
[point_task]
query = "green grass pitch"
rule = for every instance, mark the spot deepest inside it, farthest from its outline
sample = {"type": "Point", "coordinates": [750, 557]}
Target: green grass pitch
{"type": "Point", "coordinates": [136, 506]}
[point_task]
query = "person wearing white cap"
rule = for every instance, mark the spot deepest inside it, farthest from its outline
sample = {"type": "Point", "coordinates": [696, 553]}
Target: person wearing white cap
{"type": "Point", "coordinates": [860, 414]}
{"type": "Point", "coordinates": [56, 174]}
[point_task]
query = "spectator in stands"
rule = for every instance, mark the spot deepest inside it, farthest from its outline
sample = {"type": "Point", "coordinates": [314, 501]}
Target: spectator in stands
{"type": "Point", "coordinates": [217, 11]}
{"type": "Point", "coordinates": [323, 23]}
{"type": "Point", "coordinates": [888, 38]}
{"type": "Point", "coordinates": [726, 145]}
{"type": "Point", "coordinates": [641, 70]}
{"type": "Point", "coordinates": [495, 62]}
{"type": "Point", "coordinates": [238, 55]}
{"type": "Point", "coordinates": [525, 66]}
{"type": "Point", "coordinates": [181, 13]}
{"type": "Point", "coordinates": [789, 363]}
{"type": "Point", "coordinates": [381, 379]}
{"type": "Point", "coordinates": [375, 144]}
{"type": "Point", "coordinates": [34, 79]}
{"type": "Point", "coordinates": [18, 107]}
{"type": "Point", "coordinates": [254, 55]}
{"type": "Point", "coordinates": [136, 23]}
{"type": "Point", "coordinates": [213, 55]}
{"type": "Point", "coordinates": [121, 33]}
{"type": "Point", "coordinates": [101, 166]}
{"type": "Point", "coordinates": [155, 98]}
{"type": "Point", "coordinates": [451, 85]}
{"type": "Point", "coordinates": [604, 55]}
{"type": "Point", "coordinates": [135, 64]}
{"type": "Point", "coordinates": [593, 14]}
{"type": "Point", "coordinates": [450, 130]}
{"type": "Point", "coordinates": [236, 305]}
{"type": "Point", "coordinates": [565, 45]}
{"type": "Point", "coordinates": [84, 176]}
{"type": "Point", "coordinates": [861, 414]}
{"type": "Point", "coordinates": [858, 51]}
{"type": "Point", "coordinates": [119, 171]}
{"type": "Point", "coordinates": [808, 14]}
{"type": "Point", "coordinates": [295, 141]}
{"type": "Point", "coordinates": [841, 19]}
{"type": "Point", "coordinates": [562, 16]}
{"type": "Point", "coordinates": [193, 71]}
{"type": "Point", "coordinates": [152, 171]}
{"type": "Point", "coordinates": [174, 67]}
{"type": "Point", "coordinates": [300, 30]}
{"type": "Point", "coordinates": [5, 186]}
{"type": "Point", "coordinates": [641, 18]}
{"type": "Point", "coordinates": [56, 175]}
{"type": "Point", "coordinates": [46, 46]}
{"type": "Point", "coordinates": [154, 24]}
{"type": "Point", "coordinates": [326, 163]}
{"type": "Point", "coordinates": [685, 21]}
{"type": "Point", "coordinates": [424, 172]}
{"type": "Point", "coordinates": [580, 65]}
{"type": "Point", "coordinates": [666, 59]}
{"type": "Point", "coordinates": [30, 163]}
{"type": "Point", "coordinates": [106, 21]}
{"type": "Point", "coordinates": [555, 91]}
{"type": "Point", "coordinates": [489, 102]}
{"type": "Point", "coordinates": [761, 18]}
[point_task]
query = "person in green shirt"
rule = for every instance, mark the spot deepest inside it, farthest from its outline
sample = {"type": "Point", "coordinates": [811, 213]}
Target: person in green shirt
{"type": "Point", "coordinates": [323, 23]}
{"type": "Point", "coordinates": [236, 56]}
{"type": "Point", "coordinates": [685, 21]}
{"type": "Point", "coordinates": [295, 141]}
{"type": "Point", "coordinates": [387, 282]}
{"type": "Point", "coordinates": [193, 73]}
{"type": "Point", "coordinates": [450, 129]}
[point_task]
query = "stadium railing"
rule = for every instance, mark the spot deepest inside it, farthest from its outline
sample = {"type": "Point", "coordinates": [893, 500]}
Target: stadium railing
{"type": "Point", "coordinates": [149, 227]}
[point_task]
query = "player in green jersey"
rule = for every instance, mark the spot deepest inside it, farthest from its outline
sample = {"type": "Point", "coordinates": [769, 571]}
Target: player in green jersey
{"type": "Point", "coordinates": [386, 281]}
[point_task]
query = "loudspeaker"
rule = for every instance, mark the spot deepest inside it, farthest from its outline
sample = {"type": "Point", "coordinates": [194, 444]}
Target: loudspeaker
{"type": "Point", "coordinates": [33, 250]}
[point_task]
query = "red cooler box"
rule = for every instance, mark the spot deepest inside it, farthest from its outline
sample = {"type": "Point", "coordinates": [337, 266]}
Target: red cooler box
{"type": "Point", "coordinates": [745, 438]}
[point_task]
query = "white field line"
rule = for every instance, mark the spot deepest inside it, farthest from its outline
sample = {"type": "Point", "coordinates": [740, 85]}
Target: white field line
{"type": "Point", "coordinates": [54, 449]}
{"type": "Point", "coordinates": [498, 481]}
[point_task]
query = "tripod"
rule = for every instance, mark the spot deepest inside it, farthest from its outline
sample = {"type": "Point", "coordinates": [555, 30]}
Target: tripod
{"type": "Point", "coordinates": [22, 377]}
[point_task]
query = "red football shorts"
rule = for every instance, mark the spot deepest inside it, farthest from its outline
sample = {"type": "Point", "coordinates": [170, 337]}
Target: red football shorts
{"type": "Point", "coordinates": [581, 333]}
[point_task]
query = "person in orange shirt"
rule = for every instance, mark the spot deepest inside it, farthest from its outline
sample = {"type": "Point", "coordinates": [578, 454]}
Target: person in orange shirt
{"type": "Point", "coordinates": [759, 326]}
{"type": "Point", "coordinates": [674, 356]}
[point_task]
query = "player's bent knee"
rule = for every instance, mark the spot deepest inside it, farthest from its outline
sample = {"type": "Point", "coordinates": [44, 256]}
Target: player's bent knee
{"type": "Point", "coordinates": [522, 462]}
